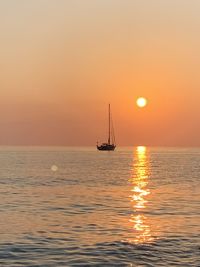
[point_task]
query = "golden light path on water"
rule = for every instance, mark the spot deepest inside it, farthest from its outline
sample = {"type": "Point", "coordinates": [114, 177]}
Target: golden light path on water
{"type": "Point", "coordinates": [139, 196]}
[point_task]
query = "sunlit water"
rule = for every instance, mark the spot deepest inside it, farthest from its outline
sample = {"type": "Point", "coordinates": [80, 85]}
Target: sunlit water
{"type": "Point", "coordinates": [82, 207]}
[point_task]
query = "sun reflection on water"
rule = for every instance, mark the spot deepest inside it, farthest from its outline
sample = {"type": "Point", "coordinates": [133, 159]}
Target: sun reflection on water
{"type": "Point", "coordinates": [139, 196]}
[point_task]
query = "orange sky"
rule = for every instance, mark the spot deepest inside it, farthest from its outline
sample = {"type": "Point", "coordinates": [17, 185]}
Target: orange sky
{"type": "Point", "coordinates": [62, 62]}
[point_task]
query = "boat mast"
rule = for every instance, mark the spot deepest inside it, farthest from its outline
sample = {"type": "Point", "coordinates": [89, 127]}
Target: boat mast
{"type": "Point", "coordinates": [109, 124]}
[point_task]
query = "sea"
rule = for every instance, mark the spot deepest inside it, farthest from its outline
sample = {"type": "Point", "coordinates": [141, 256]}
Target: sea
{"type": "Point", "coordinates": [76, 206]}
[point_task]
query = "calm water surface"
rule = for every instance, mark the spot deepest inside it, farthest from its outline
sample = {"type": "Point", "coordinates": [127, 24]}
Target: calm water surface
{"type": "Point", "coordinates": [82, 207]}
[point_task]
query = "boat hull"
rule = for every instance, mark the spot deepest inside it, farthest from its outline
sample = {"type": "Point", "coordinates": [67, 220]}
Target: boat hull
{"type": "Point", "coordinates": [106, 147]}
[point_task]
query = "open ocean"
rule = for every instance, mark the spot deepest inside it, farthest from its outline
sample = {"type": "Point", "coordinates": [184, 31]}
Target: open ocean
{"type": "Point", "coordinates": [81, 207]}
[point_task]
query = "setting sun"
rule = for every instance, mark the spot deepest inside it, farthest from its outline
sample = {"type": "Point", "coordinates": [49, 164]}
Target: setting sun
{"type": "Point", "coordinates": [141, 102]}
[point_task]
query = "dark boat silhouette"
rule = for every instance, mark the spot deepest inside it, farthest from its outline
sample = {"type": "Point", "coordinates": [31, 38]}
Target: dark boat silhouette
{"type": "Point", "coordinates": [110, 145]}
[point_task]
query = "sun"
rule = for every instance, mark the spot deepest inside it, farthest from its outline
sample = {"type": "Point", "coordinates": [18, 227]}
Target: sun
{"type": "Point", "coordinates": [141, 102]}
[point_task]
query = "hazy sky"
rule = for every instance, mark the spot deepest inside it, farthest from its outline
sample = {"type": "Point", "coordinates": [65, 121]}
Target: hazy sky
{"type": "Point", "coordinates": [63, 61]}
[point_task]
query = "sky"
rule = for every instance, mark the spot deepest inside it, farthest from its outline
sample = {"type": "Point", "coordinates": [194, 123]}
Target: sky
{"type": "Point", "coordinates": [63, 61]}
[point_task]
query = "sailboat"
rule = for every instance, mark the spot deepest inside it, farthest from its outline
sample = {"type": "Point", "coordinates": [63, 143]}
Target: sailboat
{"type": "Point", "coordinates": [110, 145]}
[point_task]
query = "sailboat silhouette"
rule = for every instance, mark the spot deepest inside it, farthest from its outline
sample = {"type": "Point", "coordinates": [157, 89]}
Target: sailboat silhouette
{"type": "Point", "coordinates": [110, 145]}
